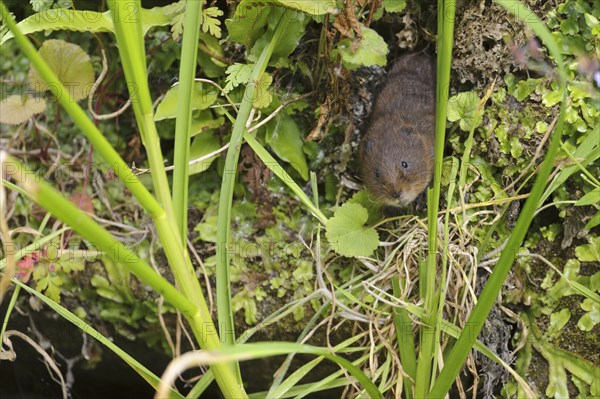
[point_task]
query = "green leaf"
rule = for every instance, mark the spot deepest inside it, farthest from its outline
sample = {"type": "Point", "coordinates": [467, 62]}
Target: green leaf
{"type": "Point", "coordinates": [315, 7]}
{"type": "Point", "coordinates": [237, 74]}
{"type": "Point", "coordinates": [71, 65]}
{"type": "Point", "coordinates": [373, 208]}
{"type": "Point", "coordinates": [204, 121]}
{"type": "Point", "coordinates": [50, 286]}
{"type": "Point", "coordinates": [207, 231]}
{"type": "Point", "coordinates": [16, 109]}
{"type": "Point", "coordinates": [43, 5]}
{"type": "Point", "coordinates": [557, 321]}
{"type": "Point", "coordinates": [516, 148]}
{"type": "Point", "coordinates": [525, 88]}
{"type": "Point", "coordinates": [285, 139]}
{"type": "Point", "coordinates": [203, 144]}
{"type": "Point", "coordinates": [210, 62]}
{"type": "Point", "coordinates": [569, 26]}
{"type": "Point", "coordinates": [244, 299]}
{"type": "Point", "coordinates": [594, 221]}
{"type": "Point", "coordinates": [210, 21]}
{"type": "Point", "coordinates": [289, 41]}
{"type": "Point", "coordinates": [557, 382]}
{"type": "Point", "coordinates": [579, 90]}
{"type": "Point", "coordinates": [347, 233]}
{"type": "Point", "coordinates": [591, 198]}
{"type": "Point", "coordinates": [589, 252]}
{"type": "Point", "coordinates": [262, 95]}
{"type": "Point", "coordinates": [463, 107]}
{"type": "Point", "coordinates": [394, 5]}
{"type": "Point", "coordinates": [71, 265]}
{"type": "Point", "coordinates": [202, 98]}
{"type": "Point", "coordinates": [99, 281]}
{"type": "Point", "coordinates": [249, 22]}
{"type": "Point", "coordinates": [592, 317]}
{"type": "Point", "coordinates": [551, 98]}
{"type": "Point", "coordinates": [85, 21]}
{"type": "Point", "coordinates": [370, 50]}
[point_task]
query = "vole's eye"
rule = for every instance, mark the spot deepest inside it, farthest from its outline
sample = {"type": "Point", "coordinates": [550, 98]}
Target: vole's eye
{"type": "Point", "coordinates": [377, 174]}
{"type": "Point", "coordinates": [404, 165]}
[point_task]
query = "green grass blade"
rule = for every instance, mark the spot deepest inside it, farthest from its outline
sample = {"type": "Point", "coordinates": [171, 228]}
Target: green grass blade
{"type": "Point", "coordinates": [35, 246]}
{"type": "Point", "coordinates": [9, 309]}
{"type": "Point", "coordinates": [588, 151]}
{"type": "Point", "coordinates": [128, 32]}
{"type": "Point", "coordinates": [50, 199]}
{"type": "Point", "coordinates": [80, 118]}
{"type": "Point", "coordinates": [225, 314]}
{"type": "Point", "coordinates": [460, 351]}
{"type": "Point", "coordinates": [427, 274]}
{"type": "Point", "coordinates": [183, 121]}
{"type": "Point", "coordinates": [300, 390]}
{"type": "Point", "coordinates": [146, 374]}
{"type": "Point", "coordinates": [405, 341]}
{"type": "Point", "coordinates": [260, 350]}
{"type": "Point", "coordinates": [291, 381]}
{"type": "Point", "coordinates": [165, 226]}
{"type": "Point", "coordinates": [278, 171]}
{"type": "Point", "coordinates": [127, 20]}
{"type": "Point", "coordinates": [63, 209]}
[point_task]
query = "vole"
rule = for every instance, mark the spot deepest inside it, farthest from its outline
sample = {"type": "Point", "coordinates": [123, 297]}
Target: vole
{"type": "Point", "coordinates": [397, 150]}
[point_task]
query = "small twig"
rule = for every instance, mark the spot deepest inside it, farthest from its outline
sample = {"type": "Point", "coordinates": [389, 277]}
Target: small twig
{"type": "Point", "coordinates": [47, 358]}
{"type": "Point", "coordinates": [204, 273]}
{"type": "Point", "coordinates": [278, 110]}
{"type": "Point", "coordinates": [93, 91]}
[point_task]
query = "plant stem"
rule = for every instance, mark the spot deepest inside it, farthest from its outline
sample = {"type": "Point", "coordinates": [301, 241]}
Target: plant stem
{"type": "Point", "coordinates": [225, 314]}
{"type": "Point", "coordinates": [183, 121]}
{"type": "Point", "coordinates": [485, 302]}
{"type": "Point", "coordinates": [428, 331]}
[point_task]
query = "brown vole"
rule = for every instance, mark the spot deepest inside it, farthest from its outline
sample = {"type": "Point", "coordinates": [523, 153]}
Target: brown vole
{"type": "Point", "coordinates": [397, 151]}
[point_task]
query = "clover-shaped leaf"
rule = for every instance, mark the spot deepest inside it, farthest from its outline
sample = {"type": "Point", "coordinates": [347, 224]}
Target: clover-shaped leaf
{"type": "Point", "coordinates": [347, 232]}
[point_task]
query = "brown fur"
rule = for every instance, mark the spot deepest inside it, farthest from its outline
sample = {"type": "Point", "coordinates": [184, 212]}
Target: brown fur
{"type": "Point", "coordinates": [397, 152]}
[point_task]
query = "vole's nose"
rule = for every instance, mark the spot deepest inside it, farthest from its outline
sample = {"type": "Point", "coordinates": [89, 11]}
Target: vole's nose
{"type": "Point", "coordinates": [396, 194]}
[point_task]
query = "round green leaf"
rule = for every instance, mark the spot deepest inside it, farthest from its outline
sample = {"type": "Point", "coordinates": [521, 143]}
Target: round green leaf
{"type": "Point", "coordinates": [70, 63]}
{"type": "Point", "coordinates": [348, 234]}
{"type": "Point", "coordinates": [463, 107]}
{"type": "Point", "coordinates": [16, 109]}
{"type": "Point", "coordinates": [370, 50]}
